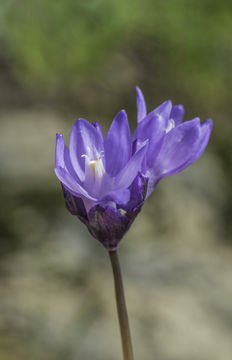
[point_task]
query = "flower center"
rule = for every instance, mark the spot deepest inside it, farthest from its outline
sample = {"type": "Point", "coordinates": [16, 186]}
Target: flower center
{"type": "Point", "coordinates": [94, 169]}
{"type": "Point", "coordinates": [94, 163]}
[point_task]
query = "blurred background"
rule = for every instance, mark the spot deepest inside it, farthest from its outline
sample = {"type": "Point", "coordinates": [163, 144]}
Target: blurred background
{"type": "Point", "coordinates": [64, 59]}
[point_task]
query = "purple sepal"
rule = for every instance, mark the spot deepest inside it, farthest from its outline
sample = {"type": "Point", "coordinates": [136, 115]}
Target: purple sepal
{"type": "Point", "coordinates": [108, 224]}
{"type": "Point", "coordinates": [75, 205]}
{"type": "Point", "coordinates": [138, 191]}
{"type": "Point", "coordinates": [106, 221]}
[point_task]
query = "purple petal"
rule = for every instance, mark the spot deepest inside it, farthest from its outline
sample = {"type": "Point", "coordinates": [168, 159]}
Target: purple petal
{"type": "Point", "coordinates": [98, 128]}
{"type": "Point", "coordinates": [177, 114]}
{"type": "Point", "coordinates": [179, 147]}
{"type": "Point", "coordinates": [141, 105]}
{"type": "Point", "coordinates": [153, 180]}
{"type": "Point", "coordinates": [84, 139]}
{"type": "Point", "coordinates": [164, 110]}
{"type": "Point", "coordinates": [62, 158]}
{"type": "Point", "coordinates": [75, 205]}
{"type": "Point", "coordinates": [138, 188]}
{"type": "Point", "coordinates": [59, 152]}
{"type": "Point", "coordinates": [138, 191]}
{"type": "Point", "coordinates": [129, 172]}
{"type": "Point", "coordinates": [120, 197]}
{"type": "Point", "coordinates": [71, 184]}
{"type": "Point", "coordinates": [205, 130]}
{"type": "Point", "coordinates": [153, 128]}
{"type": "Point", "coordinates": [117, 144]}
{"type": "Point", "coordinates": [162, 113]}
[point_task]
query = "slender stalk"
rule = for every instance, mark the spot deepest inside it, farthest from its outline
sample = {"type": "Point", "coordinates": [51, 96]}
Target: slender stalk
{"type": "Point", "coordinates": [121, 306]}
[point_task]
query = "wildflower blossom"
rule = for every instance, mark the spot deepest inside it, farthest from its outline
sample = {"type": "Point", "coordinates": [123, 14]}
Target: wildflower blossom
{"type": "Point", "coordinates": [105, 181]}
{"type": "Point", "coordinates": [172, 144]}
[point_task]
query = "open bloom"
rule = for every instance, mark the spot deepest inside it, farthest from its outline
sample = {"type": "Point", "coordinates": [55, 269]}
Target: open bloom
{"type": "Point", "coordinates": [106, 180]}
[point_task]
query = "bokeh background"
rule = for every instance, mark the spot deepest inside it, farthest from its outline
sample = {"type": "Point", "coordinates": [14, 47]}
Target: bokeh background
{"type": "Point", "coordinates": [63, 59]}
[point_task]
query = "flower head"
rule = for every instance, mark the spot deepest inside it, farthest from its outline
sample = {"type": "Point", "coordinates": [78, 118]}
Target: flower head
{"type": "Point", "coordinates": [106, 180]}
{"type": "Point", "coordinates": [172, 144]}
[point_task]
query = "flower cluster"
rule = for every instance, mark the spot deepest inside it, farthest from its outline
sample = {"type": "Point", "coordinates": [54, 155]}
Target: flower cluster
{"type": "Point", "coordinates": [105, 181]}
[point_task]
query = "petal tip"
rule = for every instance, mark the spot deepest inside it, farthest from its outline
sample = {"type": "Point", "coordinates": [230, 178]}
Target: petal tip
{"type": "Point", "coordinates": [121, 116]}
{"type": "Point", "coordinates": [209, 123]}
{"type": "Point", "coordinates": [195, 121]}
{"type": "Point", "coordinates": [168, 102]}
{"type": "Point", "coordinates": [180, 107]}
{"type": "Point", "coordinates": [123, 112]}
{"type": "Point", "coordinates": [79, 121]}
{"type": "Point", "coordinates": [141, 105]}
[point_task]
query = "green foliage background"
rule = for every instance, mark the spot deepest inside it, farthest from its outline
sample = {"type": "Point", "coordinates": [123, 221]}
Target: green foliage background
{"type": "Point", "coordinates": [69, 40]}
{"type": "Point", "coordinates": [174, 48]}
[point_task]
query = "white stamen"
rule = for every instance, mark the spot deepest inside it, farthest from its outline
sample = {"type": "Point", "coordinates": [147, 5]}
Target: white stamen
{"type": "Point", "coordinates": [171, 125]}
{"type": "Point", "coordinates": [94, 167]}
{"type": "Point", "coordinates": [158, 115]}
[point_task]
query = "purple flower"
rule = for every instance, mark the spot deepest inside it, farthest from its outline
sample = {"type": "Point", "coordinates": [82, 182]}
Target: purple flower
{"type": "Point", "coordinates": [106, 180]}
{"type": "Point", "coordinates": [172, 145]}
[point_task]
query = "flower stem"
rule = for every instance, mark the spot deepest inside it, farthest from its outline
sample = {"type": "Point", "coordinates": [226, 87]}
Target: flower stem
{"type": "Point", "coordinates": [121, 306]}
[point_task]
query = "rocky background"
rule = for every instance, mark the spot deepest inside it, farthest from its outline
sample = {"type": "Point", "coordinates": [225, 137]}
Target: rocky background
{"type": "Point", "coordinates": [60, 60]}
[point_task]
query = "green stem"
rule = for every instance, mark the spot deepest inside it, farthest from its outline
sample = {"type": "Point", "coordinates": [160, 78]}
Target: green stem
{"type": "Point", "coordinates": [121, 306]}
